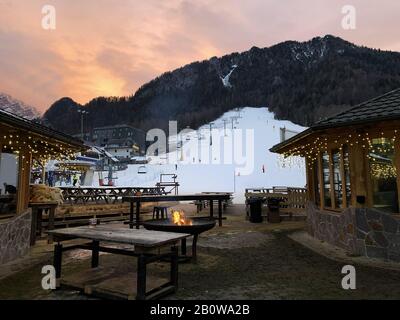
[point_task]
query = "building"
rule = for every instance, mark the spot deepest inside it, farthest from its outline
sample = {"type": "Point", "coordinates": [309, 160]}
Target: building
{"type": "Point", "coordinates": [122, 141]}
{"type": "Point", "coordinates": [353, 177]}
{"type": "Point", "coordinates": [25, 143]}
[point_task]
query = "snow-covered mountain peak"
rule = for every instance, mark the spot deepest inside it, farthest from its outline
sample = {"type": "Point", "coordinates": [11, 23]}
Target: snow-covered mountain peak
{"type": "Point", "coordinates": [17, 107]}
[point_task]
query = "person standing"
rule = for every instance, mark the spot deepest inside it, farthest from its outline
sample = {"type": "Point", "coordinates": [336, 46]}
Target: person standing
{"type": "Point", "coordinates": [74, 179]}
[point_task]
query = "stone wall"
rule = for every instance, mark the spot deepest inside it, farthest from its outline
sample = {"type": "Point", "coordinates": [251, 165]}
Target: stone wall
{"type": "Point", "coordinates": [360, 231]}
{"type": "Point", "coordinates": [15, 237]}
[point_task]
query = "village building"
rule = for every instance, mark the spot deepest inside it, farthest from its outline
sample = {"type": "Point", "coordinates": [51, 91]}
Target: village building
{"type": "Point", "coordinates": [353, 177]}
{"type": "Point", "coordinates": [121, 141]}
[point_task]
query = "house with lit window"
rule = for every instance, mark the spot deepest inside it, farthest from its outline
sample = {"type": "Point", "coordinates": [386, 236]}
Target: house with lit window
{"type": "Point", "coordinates": [353, 177]}
{"type": "Point", "coordinates": [122, 141]}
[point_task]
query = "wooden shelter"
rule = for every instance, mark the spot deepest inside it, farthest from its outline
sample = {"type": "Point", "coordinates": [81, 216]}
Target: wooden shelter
{"type": "Point", "coordinates": [353, 177]}
{"type": "Point", "coordinates": [353, 158]}
{"type": "Point", "coordinates": [32, 142]}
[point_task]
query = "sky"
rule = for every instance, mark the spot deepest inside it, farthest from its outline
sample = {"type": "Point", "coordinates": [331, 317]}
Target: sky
{"type": "Point", "coordinates": [112, 47]}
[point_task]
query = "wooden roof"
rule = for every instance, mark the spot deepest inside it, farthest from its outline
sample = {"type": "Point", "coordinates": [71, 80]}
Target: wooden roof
{"type": "Point", "coordinates": [19, 123]}
{"type": "Point", "coordinates": [382, 108]}
{"type": "Point", "coordinates": [385, 107]}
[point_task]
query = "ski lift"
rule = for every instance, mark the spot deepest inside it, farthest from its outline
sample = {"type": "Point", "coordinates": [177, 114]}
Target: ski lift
{"type": "Point", "coordinates": [142, 170]}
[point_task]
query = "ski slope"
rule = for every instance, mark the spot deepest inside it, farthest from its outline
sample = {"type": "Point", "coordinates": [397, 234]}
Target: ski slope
{"type": "Point", "coordinates": [232, 162]}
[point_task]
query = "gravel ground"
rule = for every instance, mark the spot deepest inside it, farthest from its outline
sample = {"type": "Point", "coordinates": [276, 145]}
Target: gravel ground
{"type": "Point", "coordinates": [238, 261]}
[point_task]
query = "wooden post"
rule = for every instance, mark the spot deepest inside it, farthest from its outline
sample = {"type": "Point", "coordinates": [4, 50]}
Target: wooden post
{"type": "Point", "coordinates": [331, 179]}
{"type": "Point", "coordinates": [220, 213]}
{"type": "Point", "coordinates": [24, 171]}
{"type": "Point", "coordinates": [141, 277]}
{"type": "Point", "coordinates": [95, 254]}
{"type": "Point", "coordinates": [58, 249]}
{"type": "Point", "coordinates": [43, 173]}
{"type": "Point", "coordinates": [343, 176]}
{"type": "Point", "coordinates": [321, 181]}
{"type": "Point", "coordinates": [310, 180]}
{"type": "Point", "coordinates": [137, 214]}
{"type": "Point", "coordinates": [358, 175]}
{"type": "Point", "coordinates": [397, 165]}
{"type": "Point", "coordinates": [174, 267]}
{"type": "Point", "coordinates": [131, 215]}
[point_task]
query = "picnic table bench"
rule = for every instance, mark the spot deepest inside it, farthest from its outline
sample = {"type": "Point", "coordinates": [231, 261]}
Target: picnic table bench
{"type": "Point", "coordinates": [147, 247]}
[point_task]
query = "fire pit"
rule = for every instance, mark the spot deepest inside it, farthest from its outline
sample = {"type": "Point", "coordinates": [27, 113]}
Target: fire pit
{"type": "Point", "coordinates": [178, 223]}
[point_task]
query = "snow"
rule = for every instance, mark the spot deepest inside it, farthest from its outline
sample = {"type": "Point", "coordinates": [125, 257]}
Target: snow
{"type": "Point", "coordinates": [224, 166]}
{"type": "Point", "coordinates": [225, 80]}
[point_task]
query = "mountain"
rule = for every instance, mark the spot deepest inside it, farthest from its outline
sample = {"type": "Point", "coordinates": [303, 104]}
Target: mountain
{"type": "Point", "coordinates": [17, 107]}
{"type": "Point", "coordinates": [299, 81]}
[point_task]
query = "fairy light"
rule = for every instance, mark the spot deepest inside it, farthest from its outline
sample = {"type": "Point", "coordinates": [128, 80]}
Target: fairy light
{"type": "Point", "coordinates": [38, 148]}
{"type": "Point", "coordinates": [312, 150]}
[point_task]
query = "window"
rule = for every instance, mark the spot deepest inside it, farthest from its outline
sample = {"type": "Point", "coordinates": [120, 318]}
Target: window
{"type": "Point", "coordinates": [383, 175]}
{"type": "Point", "coordinates": [326, 180]}
{"type": "Point", "coordinates": [8, 182]}
{"type": "Point", "coordinates": [317, 190]}
{"type": "Point", "coordinates": [337, 178]}
{"type": "Point", "coordinates": [346, 168]}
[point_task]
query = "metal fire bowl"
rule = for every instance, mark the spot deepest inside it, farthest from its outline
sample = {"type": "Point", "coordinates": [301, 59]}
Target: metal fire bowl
{"type": "Point", "coordinates": [199, 225]}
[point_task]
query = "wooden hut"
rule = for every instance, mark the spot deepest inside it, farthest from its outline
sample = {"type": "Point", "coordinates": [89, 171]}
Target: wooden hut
{"type": "Point", "coordinates": [22, 143]}
{"type": "Point", "coordinates": [353, 178]}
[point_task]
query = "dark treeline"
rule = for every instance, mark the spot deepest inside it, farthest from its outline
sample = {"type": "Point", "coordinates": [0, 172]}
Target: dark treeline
{"type": "Point", "coordinates": [301, 82]}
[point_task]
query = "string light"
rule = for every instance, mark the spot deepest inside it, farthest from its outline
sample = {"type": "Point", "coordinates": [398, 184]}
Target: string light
{"type": "Point", "coordinates": [40, 150]}
{"type": "Point", "coordinates": [379, 148]}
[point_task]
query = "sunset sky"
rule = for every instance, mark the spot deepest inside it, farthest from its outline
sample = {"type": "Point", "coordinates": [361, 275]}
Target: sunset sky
{"type": "Point", "coordinates": [111, 47]}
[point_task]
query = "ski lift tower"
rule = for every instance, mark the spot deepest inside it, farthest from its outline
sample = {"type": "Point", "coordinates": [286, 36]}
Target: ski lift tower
{"type": "Point", "coordinates": [211, 124]}
{"type": "Point", "coordinates": [225, 121]}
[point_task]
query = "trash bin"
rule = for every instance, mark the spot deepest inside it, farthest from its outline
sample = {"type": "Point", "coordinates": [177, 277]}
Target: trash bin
{"type": "Point", "coordinates": [255, 211]}
{"type": "Point", "coordinates": [273, 210]}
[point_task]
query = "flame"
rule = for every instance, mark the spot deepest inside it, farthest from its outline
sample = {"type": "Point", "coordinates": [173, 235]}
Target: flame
{"type": "Point", "coordinates": [178, 218]}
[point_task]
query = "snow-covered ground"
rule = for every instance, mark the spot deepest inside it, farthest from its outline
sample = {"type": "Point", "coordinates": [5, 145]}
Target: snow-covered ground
{"type": "Point", "coordinates": [233, 161]}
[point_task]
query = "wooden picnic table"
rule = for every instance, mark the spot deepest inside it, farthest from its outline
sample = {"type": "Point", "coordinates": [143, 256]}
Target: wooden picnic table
{"type": "Point", "coordinates": [211, 197]}
{"type": "Point", "coordinates": [147, 246]}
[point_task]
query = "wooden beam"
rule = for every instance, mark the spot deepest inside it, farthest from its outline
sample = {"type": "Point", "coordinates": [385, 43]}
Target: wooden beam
{"type": "Point", "coordinates": [343, 176]}
{"type": "Point", "coordinates": [310, 168]}
{"type": "Point", "coordinates": [331, 181]}
{"type": "Point", "coordinates": [358, 174]}
{"type": "Point", "coordinates": [321, 181]}
{"type": "Point", "coordinates": [397, 165]}
{"type": "Point", "coordinates": [24, 171]}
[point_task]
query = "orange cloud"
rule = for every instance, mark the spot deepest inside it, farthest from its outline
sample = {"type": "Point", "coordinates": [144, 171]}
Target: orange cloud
{"type": "Point", "coordinates": [111, 47]}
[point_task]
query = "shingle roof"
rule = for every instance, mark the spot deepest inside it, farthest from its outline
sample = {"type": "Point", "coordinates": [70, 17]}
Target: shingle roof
{"type": "Point", "coordinates": [383, 107]}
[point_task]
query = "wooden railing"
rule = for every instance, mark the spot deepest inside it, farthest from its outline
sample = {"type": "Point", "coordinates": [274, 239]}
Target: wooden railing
{"type": "Point", "coordinates": [107, 194]}
{"type": "Point", "coordinates": [292, 198]}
